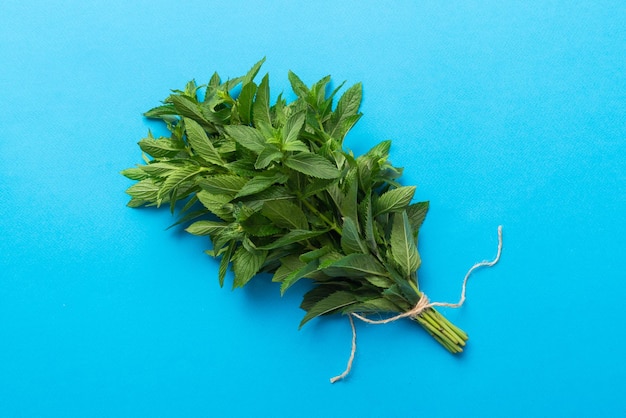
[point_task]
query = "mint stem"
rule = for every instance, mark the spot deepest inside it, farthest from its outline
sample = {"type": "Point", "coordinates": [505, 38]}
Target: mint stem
{"type": "Point", "coordinates": [320, 215]}
{"type": "Point", "coordinates": [448, 335]}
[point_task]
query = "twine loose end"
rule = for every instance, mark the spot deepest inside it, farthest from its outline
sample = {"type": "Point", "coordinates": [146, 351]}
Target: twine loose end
{"type": "Point", "coordinates": [352, 353]}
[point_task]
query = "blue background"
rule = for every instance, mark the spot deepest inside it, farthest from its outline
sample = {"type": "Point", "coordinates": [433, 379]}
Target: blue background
{"type": "Point", "coordinates": [502, 113]}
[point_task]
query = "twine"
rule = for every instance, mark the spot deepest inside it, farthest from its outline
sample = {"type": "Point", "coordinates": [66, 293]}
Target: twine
{"type": "Point", "coordinates": [351, 359]}
{"type": "Point", "coordinates": [422, 304]}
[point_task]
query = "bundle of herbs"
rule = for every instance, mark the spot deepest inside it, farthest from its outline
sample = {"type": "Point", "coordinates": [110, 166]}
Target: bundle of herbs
{"type": "Point", "coordinates": [274, 189]}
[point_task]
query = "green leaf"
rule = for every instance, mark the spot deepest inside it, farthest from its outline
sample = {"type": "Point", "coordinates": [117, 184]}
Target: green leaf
{"type": "Point", "coordinates": [312, 165]}
{"type": "Point", "coordinates": [350, 240]}
{"type": "Point", "coordinates": [292, 237]}
{"type": "Point", "coordinates": [212, 86]}
{"type": "Point", "coordinates": [347, 107]}
{"type": "Point", "coordinates": [292, 127]}
{"type": "Point", "coordinates": [206, 227]}
{"type": "Point", "coordinates": [261, 106]}
{"type": "Point", "coordinates": [246, 264]}
{"type": "Point", "coordinates": [226, 237]}
{"type": "Point", "coordinates": [259, 226]}
{"type": "Point", "coordinates": [296, 145]}
{"type": "Point", "coordinates": [244, 102]}
{"type": "Point", "coordinates": [278, 111]}
{"type": "Point", "coordinates": [270, 153]}
{"type": "Point", "coordinates": [317, 95]}
{"type": "Point", "coordinates": [316, 186]}
{"type": "Point", "coordinates": [247, 137]}
{"type": "Point", "coordinates": [201, 143]}
{"type": "Point", "coordinates": [253, 72]}
{"type": "Point", "coordinates": [315, 254]}
{"type": "Point", "coordinates": [160, 147]}
{"type": "Point", "coordinates": [266, 129]}
{"type": "Point", "coordinates": [394, 295]}
{"type": "Point", "coordinates": [221, 274]}
{"type": "Point", "coordinates": [349, 206]}
{"type": "Point", "coordinates": [176, 178]}
{"type": "Point", "coordinates": [417, 213]}
{"type": "Point", "coordinates": [220, 117]}
{"type": "Point", "coordinates": [225, 147]}
{"type": "Point", "coordinates": [144, 190]}
{"type": "Point", "coordinates": [288, 265]}
{"type": "Point", "coordinates": [261, 182]}
{"type": "Point", "coordinates": [345, 125]}
{"type": "Point", "coordinates": [190, 203]}
{"type": "Point", "coordinates": [355, 265]}
{"type": "Point", "coordinates": [166, 112]}
{"type": "Point", "coordinates": [367, 223]}
{"type": "Point", "coordinates": [242, 167]}
{"type": "Point", "coordinates": [191, 89]}
{"type": "Point", "coordinates": [380, 150]}
{"type": "Point", "coordinates": [217, 204]}
{"type": "Point", "coordinates": [331, 303]}
{"type": "Point", "coordinates": [365, 165]}
{"type": "Point", "coordinates": [350, 101]}
{"type": "Point", "coordinates": [136, 203]}
{"type": "Point", "coordinates": [276, 193]}
{"type": "Point", "coordinates": [403, 247]}
{"type": "Point", "coordinates": [291, 270]}
{"type": "Point", "coordinates": [297, 85]}
{"type": "Point", "coordinates": [188, 107]}
{"type": "Point", "coordinates": [394, 200]}
{"type": "Point", "coordinates": [379, 281]}
{"type": "Point", "coordinates": [134, 173]}
{"type": "Point", "coordinates": [160, 169]}
{"type": "Point", "coordinates": [297, 275]}
{"type": "Point", "coordinates": [222, 184]}
{"type": "Point", "coordinates": [285, 214]}
{"type": "Point", "coordinates": [318, 293]}
{"type": "Point", "coordinates": [375, 305]}
{"type": "Point", "coordinates": [335, 193]}
{"type": "Point", "coordinates": [243, 212]}
{"type": "Point", "coordinates": [403, 283]}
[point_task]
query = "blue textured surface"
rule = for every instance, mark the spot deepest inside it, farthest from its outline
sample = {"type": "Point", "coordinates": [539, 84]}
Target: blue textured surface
{"type": "Point", "coordinates": [501, 113]}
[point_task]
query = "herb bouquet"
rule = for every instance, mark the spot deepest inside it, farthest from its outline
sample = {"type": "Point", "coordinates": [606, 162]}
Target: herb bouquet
{"type": "Point", "coordinates": [273, 188]}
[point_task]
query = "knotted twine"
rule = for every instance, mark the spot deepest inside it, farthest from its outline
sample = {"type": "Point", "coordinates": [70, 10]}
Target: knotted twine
{"type": "Point", "coordinates": [422, 304]}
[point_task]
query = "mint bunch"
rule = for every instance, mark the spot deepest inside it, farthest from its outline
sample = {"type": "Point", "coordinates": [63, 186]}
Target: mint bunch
{"type": "Point", "coordinates": [275, 191]}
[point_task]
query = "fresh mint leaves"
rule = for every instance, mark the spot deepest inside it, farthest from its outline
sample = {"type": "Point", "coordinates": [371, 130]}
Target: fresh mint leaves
{"type": "Point", "coordinates": [275, 191]}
